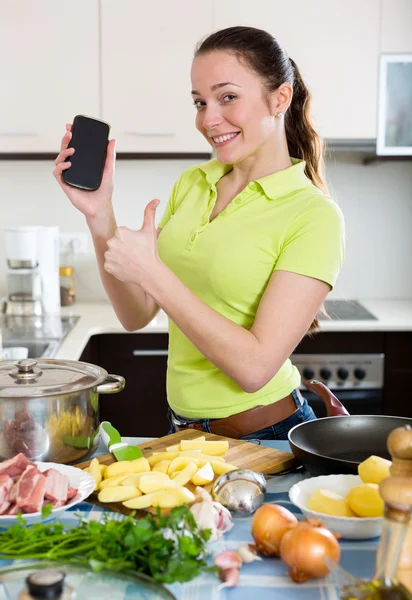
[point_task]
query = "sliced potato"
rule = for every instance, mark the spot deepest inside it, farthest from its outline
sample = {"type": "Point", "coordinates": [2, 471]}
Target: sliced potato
{"type": "Point", "coordinates": [180, 463]}
{"type": "Point", "coordinates": [149, 486]}
{"type": "Point", "coordinates": [132, 480]}
{"type": "Point", "coordinates": [172, 498]}
{"type": "Point", "coordinates": [115, 480]}
{"type": "Point", "coordinates": [204, 475]}
{"type": "Point", "coordinates": [175, 448]}
{"type": "Point", "coordinates": [103, 470]}
{"type": "Point", "coordinates": [201, 457]}
{"type": "Point", "coordinates": [184, 476]}
{"type": "Point", "coordinates": [94, 470]}
{"type": "Point", "coordinates": [162, 466]}
{"type": "Point", "coordinates": [220, 468]}
{"type": "Point", "coordinates": [158, 456]}
{"type": "Point", "coordinates": [141, 465]}
{"type": "Point", "coordinates": [144, 501]}
{"type": "Point", "coordinates": [212, 448]}
{"type": "Point", "coordinates": [118, 493]}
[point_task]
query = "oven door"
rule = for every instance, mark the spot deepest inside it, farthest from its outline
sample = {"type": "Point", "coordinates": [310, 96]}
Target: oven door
{"type": "Point", "coordinates": [356, 401]}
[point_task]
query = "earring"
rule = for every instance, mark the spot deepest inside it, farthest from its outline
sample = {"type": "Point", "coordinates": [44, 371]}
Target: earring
{"type": "Point", "coordinates": [279, 114]}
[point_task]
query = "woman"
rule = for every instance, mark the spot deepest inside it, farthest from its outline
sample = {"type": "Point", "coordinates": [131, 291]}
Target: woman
{"type": "Point", "coordinates": [247, 250]}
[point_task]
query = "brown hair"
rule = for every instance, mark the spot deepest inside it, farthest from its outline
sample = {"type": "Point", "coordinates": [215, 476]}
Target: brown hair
{"type": "Point", "coordinates": [266, 57]}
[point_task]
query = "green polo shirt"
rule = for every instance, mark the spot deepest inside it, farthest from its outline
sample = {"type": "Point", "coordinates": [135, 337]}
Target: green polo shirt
{"type": "Point", "coordinates": [279, 222]}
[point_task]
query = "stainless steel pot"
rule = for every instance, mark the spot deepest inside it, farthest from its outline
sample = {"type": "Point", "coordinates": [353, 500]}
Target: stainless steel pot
{"type": "Point", "coordinates": [49, 409]}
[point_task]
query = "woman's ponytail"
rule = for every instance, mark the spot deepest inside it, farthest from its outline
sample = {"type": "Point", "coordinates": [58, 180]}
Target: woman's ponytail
{"type": "Point", "coordinates": [303, 141]}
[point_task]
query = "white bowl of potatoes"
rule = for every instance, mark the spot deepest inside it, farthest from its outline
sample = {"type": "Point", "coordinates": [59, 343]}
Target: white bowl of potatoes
{"type": "Point", "coordinates": [349, 505]}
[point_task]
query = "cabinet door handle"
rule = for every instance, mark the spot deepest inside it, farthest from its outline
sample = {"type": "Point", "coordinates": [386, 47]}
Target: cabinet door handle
{"type": "Point", "coordinates": [150, 352]}
{"type": "Point", "coordinates": [18, 133]}
{"type": "Point", "coordinates": [151, 133]}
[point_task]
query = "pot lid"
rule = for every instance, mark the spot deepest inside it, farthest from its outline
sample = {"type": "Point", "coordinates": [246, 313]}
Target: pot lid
{"type": "Point", "coordinates": [31, 378]}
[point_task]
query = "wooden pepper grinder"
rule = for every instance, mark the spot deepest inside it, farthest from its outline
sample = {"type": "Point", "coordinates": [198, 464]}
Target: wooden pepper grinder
{"type": "Point", "coordinates": [399, 496]}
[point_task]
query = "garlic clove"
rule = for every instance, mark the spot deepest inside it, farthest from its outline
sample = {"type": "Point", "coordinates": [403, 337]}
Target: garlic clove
{"type": "Point", "coordinates": [230, 578]}
{"type": "Point", "coordinates": [228, 559]}
{"type": "Point", "coordinates": [247, 555]}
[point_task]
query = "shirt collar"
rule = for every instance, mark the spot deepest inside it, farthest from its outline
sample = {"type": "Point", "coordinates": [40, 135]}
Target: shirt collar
{"type": "Point", "coordinates": [274, 185]}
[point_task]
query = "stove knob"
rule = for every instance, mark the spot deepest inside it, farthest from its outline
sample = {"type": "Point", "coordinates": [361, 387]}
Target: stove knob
{"type": "Point", "coordinates": [343, 373]}
{"type": "Point", "coordinates": [325, 373]}
{"type": "Point", "coordinates": [308, 373]}
{"type": "Point", "coordinates": [360, 374]}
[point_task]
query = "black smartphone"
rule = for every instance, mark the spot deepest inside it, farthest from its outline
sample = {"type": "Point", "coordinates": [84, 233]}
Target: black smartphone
{"type": "Point", "coordinates": [89, 139]}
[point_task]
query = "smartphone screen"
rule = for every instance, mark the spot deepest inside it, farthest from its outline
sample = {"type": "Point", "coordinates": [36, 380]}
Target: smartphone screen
{"type": "Point", "coordinates": [89, 139]}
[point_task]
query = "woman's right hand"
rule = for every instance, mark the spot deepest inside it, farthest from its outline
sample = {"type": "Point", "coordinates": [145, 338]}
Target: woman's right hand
{"type": "Point", "coordinates": [91, 204]}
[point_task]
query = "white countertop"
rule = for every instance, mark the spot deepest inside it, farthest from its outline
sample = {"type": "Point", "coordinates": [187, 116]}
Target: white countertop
{"type": "Point", "coordinates": [99, 317]}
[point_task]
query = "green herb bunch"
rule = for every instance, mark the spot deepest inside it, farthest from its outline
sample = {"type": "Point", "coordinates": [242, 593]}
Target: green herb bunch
{"type": "Point", "coordinates": [168, 548]}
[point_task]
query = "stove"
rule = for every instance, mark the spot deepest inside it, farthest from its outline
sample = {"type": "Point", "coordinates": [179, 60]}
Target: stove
{"type": "Point", "coordinates": [347, 310]}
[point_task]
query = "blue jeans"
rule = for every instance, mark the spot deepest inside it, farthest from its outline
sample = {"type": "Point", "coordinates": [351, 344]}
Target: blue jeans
{"type": "Point", "coordinates": [279, 431]}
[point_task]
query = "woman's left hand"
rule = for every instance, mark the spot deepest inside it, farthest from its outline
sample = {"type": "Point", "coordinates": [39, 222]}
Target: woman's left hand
{"type": "Point", "coordinates": [131, 254]}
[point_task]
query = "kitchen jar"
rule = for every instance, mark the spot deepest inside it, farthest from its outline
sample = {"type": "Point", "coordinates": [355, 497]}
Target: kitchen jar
{"type": "Point", "coordinates": [49, 409]}
{"type": "Point", "coordinates": [67, 292]}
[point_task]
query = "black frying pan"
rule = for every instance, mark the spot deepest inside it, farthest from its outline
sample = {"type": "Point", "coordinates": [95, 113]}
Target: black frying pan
{"type": "Point", "coordinates": [339, 442]}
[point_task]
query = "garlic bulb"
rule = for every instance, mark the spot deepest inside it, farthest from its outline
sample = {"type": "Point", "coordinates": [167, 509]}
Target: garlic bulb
{"type": "Point", "coordinates": [210, 514]}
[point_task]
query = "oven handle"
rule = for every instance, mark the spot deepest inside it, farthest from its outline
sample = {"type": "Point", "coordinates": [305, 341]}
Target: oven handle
{"type": "Point", "coordinates": [150, 352]}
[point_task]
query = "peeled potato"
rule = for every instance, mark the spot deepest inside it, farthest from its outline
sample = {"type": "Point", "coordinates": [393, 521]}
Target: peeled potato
{"type": "Point", "coordinates": [212, 448]}
{"type": "Point", "coordinates": [220, 467]}
{"type": "Point", "coordinates": [158, 456]}
{"type": "Point", "coordinates": [204, 475]}
{"type": "Point", "coordinates": [330, 503]}
{"type": "Point", "coordinates": [172, 498]}
{"type": "Point", "coordinates": [144, 501]}
{"type": "Point", "coordinates": [118, 493]}
{"type": "Point", "coordinates": [365, 500]}
{"type": "Point", "coordinates": [162, 466]}
{"type": "Point", "coordinates": [185, 476]}
{"type": "Point", "coordinates": [141, 465]}
{"type": "Point", "coordinates": [374, 469]}
{"type": "Point", "coordinates": [180, 463]}
{"type": "Point", "coordinates": [94, 471]}
{"type": "Point", "coordinates": [149, 485]}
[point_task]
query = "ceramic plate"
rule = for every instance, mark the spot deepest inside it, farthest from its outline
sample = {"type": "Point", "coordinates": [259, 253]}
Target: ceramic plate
{"type": "Point", "coordinates": [82, 481]}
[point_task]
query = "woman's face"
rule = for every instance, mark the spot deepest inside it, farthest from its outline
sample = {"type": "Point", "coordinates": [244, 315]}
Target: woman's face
{"type": "Point", "coordinates": [232, 112]}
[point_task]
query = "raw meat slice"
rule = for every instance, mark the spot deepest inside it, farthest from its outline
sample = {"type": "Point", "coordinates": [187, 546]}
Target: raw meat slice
{"type": "Point", "coordinates": [14, 466]}
{"type": "Point", "coordinates": [6, 483]}
{"type": "Point", "coordinates": [34, 502]}
{"type": "Point", "coordinates": [24, 487]}
{"type": "Point", "coordinates": [57, 485]}
{"type": "Point", "coordinates": [4, 507]}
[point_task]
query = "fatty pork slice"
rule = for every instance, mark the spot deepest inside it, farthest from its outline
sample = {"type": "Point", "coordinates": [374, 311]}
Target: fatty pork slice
{"type": "Point", "coordinates": [15, 466]}
{"type": "Point", "coordinates": [34, 501]}
{"type": "Point", "coordinates": [24, 486]}
{"type": "Point", "coordinates": [6, 483]}
{"type": "Point", "coordinates": [57, 486]}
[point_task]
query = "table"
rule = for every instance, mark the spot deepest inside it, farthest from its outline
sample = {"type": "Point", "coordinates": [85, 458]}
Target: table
{"type": "Point", "coordinates": [264, 579]}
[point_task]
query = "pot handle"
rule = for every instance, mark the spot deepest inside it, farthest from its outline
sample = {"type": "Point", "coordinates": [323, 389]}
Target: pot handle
{"type": "Point", "coordinates": [334, 408]}
{"type": "Point", "coordinates": [111, 385]}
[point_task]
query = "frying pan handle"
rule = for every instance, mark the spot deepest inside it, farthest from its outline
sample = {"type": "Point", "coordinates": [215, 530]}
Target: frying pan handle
{"type": "Point", "coordinates": [334, 408]}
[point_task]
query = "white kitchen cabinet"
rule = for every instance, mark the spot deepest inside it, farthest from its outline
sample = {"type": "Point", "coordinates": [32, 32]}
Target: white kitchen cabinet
{"type": "Point", "coordinates": [147, 50]}
{"type": "Point", "coordinates": [48, 70]}
{"type": "Point", "coordinates": [396, 24]}
{"type": "Point", "coordinates": [336, 46]}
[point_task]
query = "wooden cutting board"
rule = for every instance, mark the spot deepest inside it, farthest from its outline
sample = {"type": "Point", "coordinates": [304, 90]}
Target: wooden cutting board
{"type": "Point", "coordinates": [241, 454]}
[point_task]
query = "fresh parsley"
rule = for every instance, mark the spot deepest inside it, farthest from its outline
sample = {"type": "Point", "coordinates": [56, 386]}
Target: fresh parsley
{"type": "Point", "coordinates": [168, 548]}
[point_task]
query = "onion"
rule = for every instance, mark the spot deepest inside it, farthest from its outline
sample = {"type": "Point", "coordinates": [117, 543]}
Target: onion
{"type": "Point", "coordinates": [270, 522]}
{"type": "Point", "coordinates": [304, 548]}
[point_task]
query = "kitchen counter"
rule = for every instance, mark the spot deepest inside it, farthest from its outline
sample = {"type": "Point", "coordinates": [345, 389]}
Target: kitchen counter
{"type": "Point", "coordinates": [99, 317]}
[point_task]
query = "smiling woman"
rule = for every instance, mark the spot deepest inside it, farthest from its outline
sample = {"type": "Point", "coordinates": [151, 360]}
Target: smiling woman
{"type": "Point", "coordinates": [247, 249]}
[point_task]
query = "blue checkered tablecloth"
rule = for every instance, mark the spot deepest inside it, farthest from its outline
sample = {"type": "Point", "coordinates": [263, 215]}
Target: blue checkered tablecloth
{"type": "Point", "coordinates": [264, 579]}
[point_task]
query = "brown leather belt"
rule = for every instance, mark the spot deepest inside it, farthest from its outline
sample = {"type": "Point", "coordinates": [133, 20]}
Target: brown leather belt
{"type": "Point", "coordinates": [248, 421]}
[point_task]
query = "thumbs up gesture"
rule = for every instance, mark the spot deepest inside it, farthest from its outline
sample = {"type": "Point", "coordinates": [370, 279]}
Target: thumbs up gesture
{"type": "Point", "coordinates": [131, 254]}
